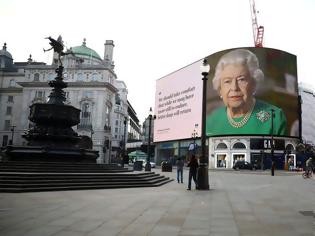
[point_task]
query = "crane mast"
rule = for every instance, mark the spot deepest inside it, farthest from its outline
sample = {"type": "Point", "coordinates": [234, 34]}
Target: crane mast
{"type": "Point", "coordinates": [258, 31]}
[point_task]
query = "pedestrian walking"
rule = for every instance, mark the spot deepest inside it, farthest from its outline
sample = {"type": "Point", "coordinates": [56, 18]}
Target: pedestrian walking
{"type": "Point", "coordinates": [309, 165]}
{"type": "Point", "coordinates": [193, 166]}
{"type": "Point", "coordinates": [180, 167]}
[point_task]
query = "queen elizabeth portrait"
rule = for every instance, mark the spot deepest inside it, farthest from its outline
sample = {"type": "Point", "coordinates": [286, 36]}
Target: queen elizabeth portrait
{"type": "Point", "coordinates": [236, 77]}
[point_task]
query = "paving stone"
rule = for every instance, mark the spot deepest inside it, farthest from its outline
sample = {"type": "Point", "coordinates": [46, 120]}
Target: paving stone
{"type": "Point", "coordinates": [238, 203]}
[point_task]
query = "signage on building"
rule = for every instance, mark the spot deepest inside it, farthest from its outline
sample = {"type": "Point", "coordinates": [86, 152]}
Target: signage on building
{"type": "Point", "coordinates": [256, 143]}
{"type": "Point", "coordinates": [265, 75]}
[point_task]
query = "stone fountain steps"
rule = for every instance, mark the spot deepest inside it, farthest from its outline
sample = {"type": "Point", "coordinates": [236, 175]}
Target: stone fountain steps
{"type": "Point", "coordinates": [31, 182]}
{"type": "Point", "coordinates": [60, 178]}
{"type": "Point", "coordinates": [59, 167]}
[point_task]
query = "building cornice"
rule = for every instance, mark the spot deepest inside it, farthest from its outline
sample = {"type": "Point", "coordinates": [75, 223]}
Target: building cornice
{"type": "Point", "coordinates": [92, 84]}
{"type": "Point", "coordinates": [11, 90]}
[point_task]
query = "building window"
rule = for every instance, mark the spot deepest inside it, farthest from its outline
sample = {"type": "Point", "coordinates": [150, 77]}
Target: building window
{"type": "Point", "coordinates": [9, 111]}
{"type": "Point", "coordinates": [36, 77]}
{"type": "Point", "coordinates": [95, 77]}
{"type": "Point", "coordinates": [7, 125]}
{"type": "Point", "coordinates": [239, 146]}
{"type": "Point", "coordinates": [80, 77]}
{"type": "Point", "coordinates": [86, 111]}
{"type": "Point", "coordinates": [10, 98]}
{"type": "Point", "coordinates": [39, 94]}
{"type": "Point", "coordinates": [12, 83]}
{"type": "Point", "coordinates": [5, 139]}
{"type": "Point", "coordinates": [221, 146]}
{"type": "Point", "coordinates": [107, 116]}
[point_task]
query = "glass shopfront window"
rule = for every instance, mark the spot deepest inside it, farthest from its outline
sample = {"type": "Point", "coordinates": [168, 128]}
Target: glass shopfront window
{"type": "Point", "coordinates": [167, 151]}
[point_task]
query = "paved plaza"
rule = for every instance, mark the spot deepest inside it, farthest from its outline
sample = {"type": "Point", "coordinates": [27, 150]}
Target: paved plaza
{"type": "Point", "coordinates": [239, 203]}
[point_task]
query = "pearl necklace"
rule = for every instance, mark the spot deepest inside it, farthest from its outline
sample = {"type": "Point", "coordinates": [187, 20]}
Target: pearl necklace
{"type": "Point", "coordinates": [239, 124]}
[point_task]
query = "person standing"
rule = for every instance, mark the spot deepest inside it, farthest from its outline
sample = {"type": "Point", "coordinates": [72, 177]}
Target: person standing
{"type": "Point", "coordinates": [180, 167]}
{"type": "Point", "coordinates": [309, 165]}
{"type": "Point", "coordinates": [193, 166]}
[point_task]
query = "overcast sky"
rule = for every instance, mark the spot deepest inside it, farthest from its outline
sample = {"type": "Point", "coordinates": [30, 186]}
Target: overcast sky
{"type": "Point", "coordinates": [156, 37]}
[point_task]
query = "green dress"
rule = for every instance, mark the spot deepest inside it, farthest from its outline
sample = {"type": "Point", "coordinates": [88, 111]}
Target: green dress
{"type": "Point", "coordinates": [259, 122]}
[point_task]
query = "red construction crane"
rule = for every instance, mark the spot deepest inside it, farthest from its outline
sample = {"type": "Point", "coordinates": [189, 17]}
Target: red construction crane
{"type": "Point", "coordinates": [258, 31]}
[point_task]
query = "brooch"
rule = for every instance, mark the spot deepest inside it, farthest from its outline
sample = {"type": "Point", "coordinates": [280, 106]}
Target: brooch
{"type": "Point", "coordinates": [263, 116]}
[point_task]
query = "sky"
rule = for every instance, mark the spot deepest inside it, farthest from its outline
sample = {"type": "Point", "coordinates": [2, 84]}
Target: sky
{"type": "Point", "coordinates": [156, 37]}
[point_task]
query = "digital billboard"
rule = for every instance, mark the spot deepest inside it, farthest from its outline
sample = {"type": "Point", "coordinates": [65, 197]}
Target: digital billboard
{"type": "Point", "coordinates": [250, 91]}
{"type": "Point", "coordinates": [178, 104]}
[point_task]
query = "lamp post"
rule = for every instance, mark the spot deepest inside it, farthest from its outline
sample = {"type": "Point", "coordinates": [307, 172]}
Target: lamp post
{"type": "Point", "coordinates": [12, 133]}
{"type": "Point", "coordinates": [148, 164]}
{"type": "Point", "coordinates": [194, 135]}
{"type": "Point", "coordinates": [272, 146]}
{"type": "Point", "coordinates": [124, 143]}
{"type": "Point", "coordinates": [202, 174]}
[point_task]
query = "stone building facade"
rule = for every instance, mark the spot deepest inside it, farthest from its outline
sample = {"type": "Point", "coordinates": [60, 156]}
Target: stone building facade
{"type": "Point", "coordinates": [93, 87]}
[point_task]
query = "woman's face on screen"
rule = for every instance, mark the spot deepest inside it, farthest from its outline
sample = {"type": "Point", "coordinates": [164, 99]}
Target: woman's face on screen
{"type": "Point", "coordinates": [236, 86]}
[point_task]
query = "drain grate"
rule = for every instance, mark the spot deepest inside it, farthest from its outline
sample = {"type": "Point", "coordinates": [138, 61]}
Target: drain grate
{"type": "Point", "coordinates": [307, 213]}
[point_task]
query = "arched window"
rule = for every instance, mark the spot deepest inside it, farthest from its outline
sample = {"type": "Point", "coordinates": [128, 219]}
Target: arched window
{"type": "Point", "coordinates": [221, 146]}
{"type": "Point", "coordinates": [289, 148]}
{"type": "Point", "coordinates": [36, 77]}
{"type": "Point", "coordinates": [80, 77]}
{"type": "Point", "coordinates": [95, 77]}
{"type": "Point", "coordinates": [239, 146]}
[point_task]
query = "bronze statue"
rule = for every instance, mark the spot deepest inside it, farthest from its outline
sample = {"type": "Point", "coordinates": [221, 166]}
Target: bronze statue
{"type": "Point", "coordinates": [58, 47]}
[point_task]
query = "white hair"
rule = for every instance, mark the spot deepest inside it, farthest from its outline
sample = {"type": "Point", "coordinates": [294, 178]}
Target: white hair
{"type": "Point", "coordinates": [238, 56]}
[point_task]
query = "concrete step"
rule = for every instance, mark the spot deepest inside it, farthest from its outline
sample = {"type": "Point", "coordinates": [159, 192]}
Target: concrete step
{"type": "Point", "coordinates": [39, 176]}
{"type": "Point", "coordinates": [64, 170]}
{"type": "Point", "coordinates": [23, 163]}
{"type": "Point", "coordinates": [81, 183]}
{"type": "Point", "coordinates": [83, 187]}
{"type": "Point", "coordinates": [73, 179]}
{"type": "Point", "coordinates": [59, 167]}
{"type": "Point", "coordinates": [20, 175]}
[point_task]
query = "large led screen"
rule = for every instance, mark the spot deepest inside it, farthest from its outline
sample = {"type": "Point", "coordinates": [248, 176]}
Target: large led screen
{"type": "Point", "coordinates": [250, 91]}
{"type": "Point", "coordinates": [178, 104]}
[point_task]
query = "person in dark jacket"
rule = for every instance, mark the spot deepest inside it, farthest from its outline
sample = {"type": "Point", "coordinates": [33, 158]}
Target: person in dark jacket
{"type": "Point", "coordinates": [180, 167]}
{"type": "Point", "coordinates": [193, 166]}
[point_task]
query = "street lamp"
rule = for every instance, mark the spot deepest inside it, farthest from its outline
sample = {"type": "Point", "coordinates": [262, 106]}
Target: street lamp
{"type": "Point", "coordinates": [124, 143]}
{"type": "Point", "coordinates": [272, 146]}
{"type": "Point", "coordinates": [202, 174]}
{"type": "Point", "coordinates": [194, 135]}
{"type": "Point", "coordinates": [148, 164]}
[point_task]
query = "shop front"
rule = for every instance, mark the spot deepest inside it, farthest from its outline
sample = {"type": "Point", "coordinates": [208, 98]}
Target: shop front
{"type": "Point", "coordinates": [226, 151]}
